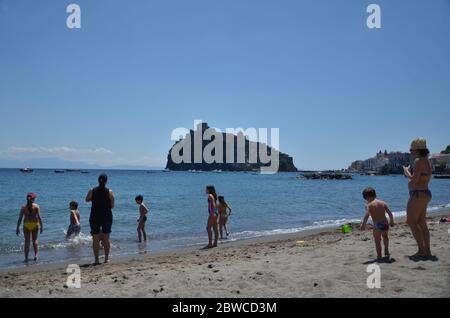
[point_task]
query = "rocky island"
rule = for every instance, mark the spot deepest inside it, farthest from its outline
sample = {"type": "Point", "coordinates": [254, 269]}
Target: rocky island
{"type": "Point", "coordinates": [230, 152]}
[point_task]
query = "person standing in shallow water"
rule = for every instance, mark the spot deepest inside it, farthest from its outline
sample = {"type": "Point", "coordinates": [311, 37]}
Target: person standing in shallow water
{"type": "Point", "coordinates": [143, 210]}
{"type": "Point", "coordinates": [212, 216]}
{"type": "Point", "coordinates": [223, 209]}
{"type": "Point", "coordinates": [32, 224]}
{"type": "Point", "coordinates": [419, 196]}
{"type": "Point", "coordinates": [101, 217]}
{"type": "Point", "coordinates": [75, 226]}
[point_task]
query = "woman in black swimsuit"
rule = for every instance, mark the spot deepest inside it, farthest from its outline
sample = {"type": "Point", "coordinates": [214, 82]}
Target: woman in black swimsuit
{"type": "Point", "coordinates": [419, 195]}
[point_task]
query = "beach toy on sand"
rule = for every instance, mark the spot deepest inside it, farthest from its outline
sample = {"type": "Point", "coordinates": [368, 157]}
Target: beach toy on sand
{"type": "Point", "coordinates": [300, 242]}
{"type": "Point", "coordinates": [346, 228]}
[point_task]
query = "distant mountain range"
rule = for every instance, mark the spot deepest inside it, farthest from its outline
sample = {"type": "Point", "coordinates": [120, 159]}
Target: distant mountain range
{"type": "Point", "coordinates": [56, 163]}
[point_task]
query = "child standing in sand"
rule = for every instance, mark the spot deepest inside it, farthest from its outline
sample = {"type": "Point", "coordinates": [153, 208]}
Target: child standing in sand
{"type": "Point", "coordinates": [142, 218]}
{"type": "Point", "coordinates": [377, 210]}
{"type": "Point", "coordinates": [74, 227]}
{"type": "Point", "coordinates": [224, 213]}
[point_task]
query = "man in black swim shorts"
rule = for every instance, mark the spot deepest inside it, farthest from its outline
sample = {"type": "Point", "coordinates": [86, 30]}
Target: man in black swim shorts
{"type": "Point", "coordinates": [101, 217]}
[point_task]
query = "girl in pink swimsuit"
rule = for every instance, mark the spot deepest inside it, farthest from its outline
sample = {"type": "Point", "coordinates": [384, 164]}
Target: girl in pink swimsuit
{"type": "Point", "coordinates": [212, 217]}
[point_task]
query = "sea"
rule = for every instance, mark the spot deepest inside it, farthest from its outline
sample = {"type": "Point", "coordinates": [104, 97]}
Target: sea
{"type": "Point", "coordinates": [262, 205]}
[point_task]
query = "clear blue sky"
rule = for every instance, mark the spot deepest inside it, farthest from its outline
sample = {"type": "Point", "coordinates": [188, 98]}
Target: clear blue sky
{"type": "Point", "coordinates": [113, 90]}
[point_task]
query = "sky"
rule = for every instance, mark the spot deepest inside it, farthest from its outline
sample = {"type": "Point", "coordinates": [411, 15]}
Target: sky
{"type": "Point", "coordinates": [111, 92]}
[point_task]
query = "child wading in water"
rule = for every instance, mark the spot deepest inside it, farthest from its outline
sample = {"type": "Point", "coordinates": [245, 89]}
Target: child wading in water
{"type": "Point", "coordinates": [377, 210]}
{"type": "Point", "coordinates": [32, 225]}
{"type": "Point", "coordinates": [224, 208]}
{"type": "Point", "coordinates": [142, 218]}
{"type": "Point", "coordinates": [74, 227]}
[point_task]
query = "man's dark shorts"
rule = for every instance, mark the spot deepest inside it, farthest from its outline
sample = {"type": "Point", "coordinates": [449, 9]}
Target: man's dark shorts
{"type": "Point", "coordinates": [102, 227]}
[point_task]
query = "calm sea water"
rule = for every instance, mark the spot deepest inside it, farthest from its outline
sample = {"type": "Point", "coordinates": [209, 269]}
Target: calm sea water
{"type": "Point", "coordinates": [262, 205]}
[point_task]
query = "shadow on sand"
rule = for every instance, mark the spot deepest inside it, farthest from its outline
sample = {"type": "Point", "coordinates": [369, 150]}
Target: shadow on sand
{"type": "Point", "coordinates": [384, 260]}
{"type": "Point", "coordinates": [417, 258]}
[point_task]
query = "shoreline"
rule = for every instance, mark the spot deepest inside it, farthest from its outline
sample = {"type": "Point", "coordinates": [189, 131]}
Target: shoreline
{"type": "Point", "coordinates": [326, 264]}
{"type": "Point", "coordinates": [436, 212]}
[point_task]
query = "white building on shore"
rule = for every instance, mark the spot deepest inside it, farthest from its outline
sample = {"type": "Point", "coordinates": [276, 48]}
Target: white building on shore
{"type": "Point", "coordinates": [440, 161]}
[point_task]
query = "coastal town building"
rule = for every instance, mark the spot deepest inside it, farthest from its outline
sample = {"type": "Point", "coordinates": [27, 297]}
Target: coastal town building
{"type": "Point", "coordinates": [396, 161]}
{"type": "Point", "coordinates": [383, 162]}
{"type": "Point", "coordinates": [393, 162]}
{"type": "Point", "coordinates": [440, 162]}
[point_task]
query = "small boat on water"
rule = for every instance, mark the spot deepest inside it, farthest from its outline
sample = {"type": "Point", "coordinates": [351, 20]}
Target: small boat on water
{"type": "Point", "coordinates": [370, 174]}
{"type": "Point", "coordinates": [26, 170]}
{"type": "Point", "coordinates": [325, 176]}
{"type": "Point", "coordinates": [59, 171]}
{"type": "Point", "coordinates": [442, 176]}
{"type": "Point", "coordinates": [73, 170]}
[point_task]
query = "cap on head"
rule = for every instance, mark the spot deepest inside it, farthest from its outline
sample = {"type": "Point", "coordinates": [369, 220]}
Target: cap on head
{"type": "Point", "coordinates": [419, 144]}
{"type": "Point", "coordinates": [31, 196]}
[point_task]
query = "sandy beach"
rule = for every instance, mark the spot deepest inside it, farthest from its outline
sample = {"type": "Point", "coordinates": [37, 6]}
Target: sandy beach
{"type": "Point", "coordinates": [326, 264]}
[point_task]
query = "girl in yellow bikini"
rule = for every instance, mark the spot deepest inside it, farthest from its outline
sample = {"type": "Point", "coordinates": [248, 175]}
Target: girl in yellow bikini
{"type": "Point", "coordinates": [32, 223]}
